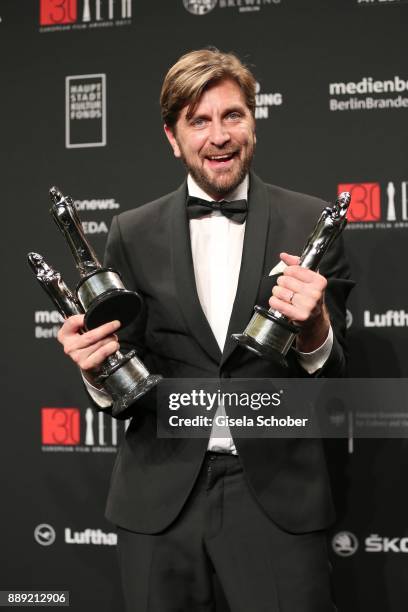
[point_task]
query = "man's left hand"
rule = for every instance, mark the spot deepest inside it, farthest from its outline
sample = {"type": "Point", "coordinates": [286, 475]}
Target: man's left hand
{"type": "Point", "coordinates": [299, 295]}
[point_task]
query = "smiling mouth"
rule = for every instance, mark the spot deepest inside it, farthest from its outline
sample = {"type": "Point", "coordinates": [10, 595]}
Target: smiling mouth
{"type": "Point", "coordinates": [221, 160]}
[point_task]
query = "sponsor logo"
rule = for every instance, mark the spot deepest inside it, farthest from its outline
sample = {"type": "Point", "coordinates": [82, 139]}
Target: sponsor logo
{"type": "Point", "coordinates": [90, 536]}
{"type": "Point", "coordinates": [47, 323]}
{"type": "Point", "coordinates": [264, 101]}
{"type": "Point", "coordinates": [376, 206]}
{"type": "Point", "coordinates": [44, 534]}
{"type": "Point", "coordinates": [66, 15]}
{"type": "Point", "coordinates": [95, 227]}
{"type": "Point", "coordinates": [380, 2]}
{"type": "Point", "coordinates": [345, 543]}
{"type": "Point", "coordinates": [369, 94]}
{"type": "Point", "coordinates": [202, 7]}
{"type": "Point", "coordinates": [199, 7]}
{"type": "Point", "coordinates": [375, 543]}
{"type": "Point", "coordinates": [85, 111]}
{"type": "Point", "coordinates": [72, 430]}
{"type": "Point", "coordinates": [391, 318]}
{"type": "Point", "coordinates": [97, 204]}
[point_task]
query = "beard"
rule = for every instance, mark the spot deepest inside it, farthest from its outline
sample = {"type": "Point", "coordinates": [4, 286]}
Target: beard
{"type": "Point", "coordinates": [218, 185]}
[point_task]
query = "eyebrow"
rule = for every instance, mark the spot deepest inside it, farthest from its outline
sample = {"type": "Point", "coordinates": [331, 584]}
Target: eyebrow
{"type": "Point", "coordinates": [240, 108]}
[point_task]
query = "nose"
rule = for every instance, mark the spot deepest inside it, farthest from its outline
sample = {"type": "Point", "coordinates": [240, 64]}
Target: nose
{"type": "Point", "coordinates": [219, 134]}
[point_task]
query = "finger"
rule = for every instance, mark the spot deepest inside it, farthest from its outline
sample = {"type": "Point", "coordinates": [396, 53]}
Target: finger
{"type": "Point", "coordinates": [289, 260]}
{"type": "Point", "coordinates": [306, 276]}
{"type": "Point", "coordinates": [297, 286]}
{"type": "Point", "coordinates": [77, 342]}
{"type": "Point", "coordinates": [79, 355]}
{"type": "Point", "coordinates": [97, 357]}
{"type": "Point", "coordinates": [294, 312]}
{"type": "Point", "coordinates": [72, 325]}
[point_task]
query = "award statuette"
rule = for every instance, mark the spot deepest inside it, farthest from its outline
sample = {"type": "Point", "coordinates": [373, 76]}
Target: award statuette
{"type": "Point", "coordinates": [124, 377]}
{"type": "Point", "coordinates": [269, 333]}
{"type": "Point", "coordinates": [100, 291]}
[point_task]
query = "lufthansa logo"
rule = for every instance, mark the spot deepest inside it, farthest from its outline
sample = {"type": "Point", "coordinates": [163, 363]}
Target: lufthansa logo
{"type": "Point", "coordinates": [345, 543]}
{"type": "Point", "coordinates": [44, 534]}
{"type": "Point", "coordinates": [199, 7]}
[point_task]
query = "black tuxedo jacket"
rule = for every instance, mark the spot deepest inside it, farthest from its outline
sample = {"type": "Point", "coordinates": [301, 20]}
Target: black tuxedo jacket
{"type": "Point", "coordinates": [150, 246]}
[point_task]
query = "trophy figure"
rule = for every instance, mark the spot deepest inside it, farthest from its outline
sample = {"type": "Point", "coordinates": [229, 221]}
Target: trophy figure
{"type": "Point", "coordinates": [124, 377]}
{"type": "Point", "coordinates": [269, 333]}
{"type": "Point", "coordinates": [100, 291]}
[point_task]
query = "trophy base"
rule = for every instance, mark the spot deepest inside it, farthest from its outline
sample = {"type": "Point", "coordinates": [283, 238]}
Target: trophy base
{"type": "Point", "coordinates": [116, 304]}
{"type": "Point", "coordinates": [269, 335]}
{"type": "Point", "coordinates": [123, 402]}
{"type": "Point", "coordinates": [126, 379]}
{"type": "Point", "coordinates": [104, 298]}
{"type": "Point", "coordinates": [262, 350]}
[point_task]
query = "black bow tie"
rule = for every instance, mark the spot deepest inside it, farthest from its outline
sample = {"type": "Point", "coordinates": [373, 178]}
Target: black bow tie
{"type": "Point", "coordinates": [236, 210]}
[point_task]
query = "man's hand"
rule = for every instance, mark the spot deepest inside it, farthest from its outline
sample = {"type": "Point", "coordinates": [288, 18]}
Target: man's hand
{"type": "Point", "coordinates": [88, 349]}
{"type": "Point", "coordinates": [299, 295]}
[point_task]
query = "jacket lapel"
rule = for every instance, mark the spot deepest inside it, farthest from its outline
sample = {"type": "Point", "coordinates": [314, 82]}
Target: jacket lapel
{"type": "Point", "coordinates": [183, 273]}
{"type": "Point", "coordinates": [252, 263]}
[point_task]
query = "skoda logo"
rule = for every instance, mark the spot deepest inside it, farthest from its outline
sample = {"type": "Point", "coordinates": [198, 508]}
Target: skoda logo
{"type": "Point", "coordinates": [199, 7]}
{"type": "Point", "coordinates": [44, 534]}
{"type": "Point", "coordinates": [345, 543]}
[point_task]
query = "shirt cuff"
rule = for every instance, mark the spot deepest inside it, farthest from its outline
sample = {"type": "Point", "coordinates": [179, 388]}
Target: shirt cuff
{"type": "Point", "coordinates": [99, 396]}
{"type": "Point", "coordinates": [311, 362]}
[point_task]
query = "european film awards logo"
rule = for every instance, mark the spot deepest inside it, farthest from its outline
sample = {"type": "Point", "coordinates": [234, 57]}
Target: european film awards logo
{"type": "Point", "coordinates": [377, 206]}
{"type": "Point", "coordinates": [62, 15]}
{"type": "Point", "coordinates": [74, 430]}
{"type": "Point", "coordinates": [85, 111]}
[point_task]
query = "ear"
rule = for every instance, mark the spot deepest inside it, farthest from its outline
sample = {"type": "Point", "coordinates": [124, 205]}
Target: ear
{"type": "Point", "coordinates": [172, 140]}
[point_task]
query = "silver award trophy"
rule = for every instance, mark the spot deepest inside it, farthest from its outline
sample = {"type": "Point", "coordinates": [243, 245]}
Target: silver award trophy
{"type": "Point", "coordinates": [100, 291]}
{"type": "Point", "coordinates": [124, 377]}
{"type": "Point", "coordinates": [269, 333]}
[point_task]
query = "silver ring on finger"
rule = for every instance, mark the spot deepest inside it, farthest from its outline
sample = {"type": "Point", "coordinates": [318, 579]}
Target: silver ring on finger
{"type": "Point", "coordinates": [291, 298]}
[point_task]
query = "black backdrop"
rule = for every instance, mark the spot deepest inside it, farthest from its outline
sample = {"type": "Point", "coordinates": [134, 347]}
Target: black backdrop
{"type": "Point", "coordinates": [321, 123]}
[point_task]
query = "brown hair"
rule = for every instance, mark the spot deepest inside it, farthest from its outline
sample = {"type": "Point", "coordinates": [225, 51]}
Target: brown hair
{"type": "Point", "coordinates": [186, 81]}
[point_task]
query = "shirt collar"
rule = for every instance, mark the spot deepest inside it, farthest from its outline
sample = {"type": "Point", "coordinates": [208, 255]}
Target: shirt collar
{"type": "Point", "coordinates": [239, 193]}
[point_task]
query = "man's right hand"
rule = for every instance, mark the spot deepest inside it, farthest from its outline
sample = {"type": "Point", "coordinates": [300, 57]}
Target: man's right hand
{"type": "Point", "coordinates": [88, 349]}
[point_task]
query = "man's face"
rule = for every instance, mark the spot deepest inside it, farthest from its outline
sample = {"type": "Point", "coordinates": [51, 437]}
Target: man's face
{"type": "Point", "coordinates": [217, 143]}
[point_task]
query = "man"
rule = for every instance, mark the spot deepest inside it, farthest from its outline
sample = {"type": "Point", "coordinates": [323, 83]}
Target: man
{"type": "Point", "coordinates": [251, 510]}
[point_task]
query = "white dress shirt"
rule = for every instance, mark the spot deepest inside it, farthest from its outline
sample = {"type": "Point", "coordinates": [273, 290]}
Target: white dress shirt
{"type": "Point", "coordinates": [216, 244]}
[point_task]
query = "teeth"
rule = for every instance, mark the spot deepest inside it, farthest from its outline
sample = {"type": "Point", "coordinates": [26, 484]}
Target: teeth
{"type": "Point", "coordinates": [220, 156]}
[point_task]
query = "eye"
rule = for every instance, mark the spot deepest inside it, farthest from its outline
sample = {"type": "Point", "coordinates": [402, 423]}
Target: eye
{"type": "Point", "coordinates": [234, 115]}
{"type": "Point", "coordinates": [198, 122]}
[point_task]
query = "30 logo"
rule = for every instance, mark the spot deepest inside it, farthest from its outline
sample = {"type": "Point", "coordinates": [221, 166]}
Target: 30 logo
{"type": "Point", "coordinates": [60, 426]}
{"type": "Point", "coordinates": [54, 12]}
{"type": "Point", "coordinates": [345, 543]}
{"type": "Point", "coordinates": [365, 201]}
